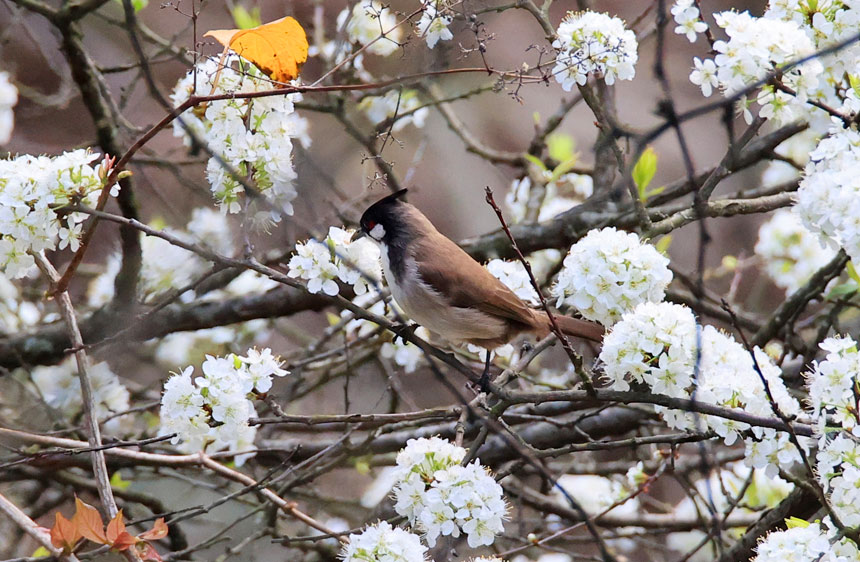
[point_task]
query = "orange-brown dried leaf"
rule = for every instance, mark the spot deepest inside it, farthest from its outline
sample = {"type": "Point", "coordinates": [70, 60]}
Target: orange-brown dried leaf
{"type": "Point", "coordinates": [115, 528]}
{"type": "Point", "coordinates": [64, 533]}
{"type": "Point", "coordinates": [278, 48]}
{"type": "Point", "coordinates": [88, 521]}
{"type": "Point", "coordinates": [158, 531]}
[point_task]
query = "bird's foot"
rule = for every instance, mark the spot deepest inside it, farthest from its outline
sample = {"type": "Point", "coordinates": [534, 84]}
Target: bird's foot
{"type": "Point", "coordinates": [402, 331]}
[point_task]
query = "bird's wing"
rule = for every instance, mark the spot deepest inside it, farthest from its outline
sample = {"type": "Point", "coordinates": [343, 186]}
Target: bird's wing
{"type": "Point", "coordinates": [467, 284]}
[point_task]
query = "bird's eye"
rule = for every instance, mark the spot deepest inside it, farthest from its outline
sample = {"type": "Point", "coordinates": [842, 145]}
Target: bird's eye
{"type": "Point", "coordinates": [370, 225]}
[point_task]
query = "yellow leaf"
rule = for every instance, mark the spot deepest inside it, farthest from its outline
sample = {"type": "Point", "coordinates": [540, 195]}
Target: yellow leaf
{"type": "Point", "coordinates": [278, 48]}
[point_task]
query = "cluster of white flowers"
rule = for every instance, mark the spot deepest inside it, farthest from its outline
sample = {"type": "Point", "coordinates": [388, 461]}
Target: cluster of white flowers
{"type": "Point", "coordinates": [212, 411]}
{"type": "Point", "coordinates": [686, 15]}
{"type": "Point", "coordinates": [828, 201]}
{"type": "Point", "coordinates": [31, 188]}
{"type": "Point", "coordinates": [789, 30]}
{"type": "Point", "coordinates": [439, 496]}
{"type": "Point", "coordinates": [393, 105]}
{"type": "Point", "coordinates": [60, 388]}
{"type": "Point", "coordinates": [382, 542]}
{"type": "Point", "coordinates": [789, 251]}
{"type": "Point", "coordinates": [16, 313]}
{"type": "Point", "coordinates": [593, 43]}
{"type": "Point", "coordinates": [354, 262]}
{"type": "Point", "coordinates": [805, 543]}
{"type": "Point", "coordinates": [656, 345]}
{"type": "Point", "coordinates": [796, 149]}
{"type": "Point", "coordinates": [832, 383]}
{"type": "Point", "coordinates": [251, 136]}
{"type": "Point", "coordinates": [757, 46]}
{"type": "Point", "coordinates": [372, 22]}
{"type": "Point", "coordinates": [576, 188]}
{"type": "Point", "coordinates": [608, 273]}
{"type": "Point", "coordinates": [838, 469]}
{"type": "Point", "coordinates": [8, 99]}
{"type": "Point", "coordinates": [434, 23]}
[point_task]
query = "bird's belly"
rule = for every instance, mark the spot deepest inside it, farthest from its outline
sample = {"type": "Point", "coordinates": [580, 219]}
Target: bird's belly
{"type": "Point", "coordinates": [427, 307]}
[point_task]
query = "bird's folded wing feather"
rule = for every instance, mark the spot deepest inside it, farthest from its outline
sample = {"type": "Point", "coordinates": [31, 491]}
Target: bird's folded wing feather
{"type": "Point", "coordinates": [467, 283]}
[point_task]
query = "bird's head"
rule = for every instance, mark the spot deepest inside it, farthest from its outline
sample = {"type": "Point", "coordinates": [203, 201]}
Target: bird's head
{"type": "Point", "coordinates": [385, 218]}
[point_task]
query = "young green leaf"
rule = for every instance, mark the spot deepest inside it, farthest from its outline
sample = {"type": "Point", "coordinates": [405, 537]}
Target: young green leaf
{"type": "Point", "coordinates": [246, 19]}
{"type": "Point", "coordinates": [644, 170]}
{"type": "Point", "coordinates": [536, 161]}
{"type": "Point", "coordinates": [852, 272]}
{"type": "Point", "coordinates": [561, 147]}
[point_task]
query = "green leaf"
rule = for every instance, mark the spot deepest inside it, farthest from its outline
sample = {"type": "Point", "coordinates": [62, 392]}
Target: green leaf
{"type": "Point", "coordinates": [663, 244]}
{"type": "Point", "coordinates": [41, 552]}
{"type": "Point", "coordinates": [793, 522]}
{"type": "Point", "coordinates": [536, 117]}
{"type": "Point", "coordinates": [246, 19]}
{"type": "Point", "coordinates": [561, 147]}
{"type": "Point", "coordinates": [137, 5]}
{"type": "Point", "coordinates": [843, 289]}
{"type": "Point", "coordinates": [656, 191]}
{"type": "Point", "coordinates": [852, 272]}
{"type": "Point", "coordinates": [117, 482]}
{"type": "Point", "coordinates": [536, 161]}
{"type": "Point", "coordinates": [563, 168]}
{"type": "Point", "coordinates": [644, 170]}
{"type": "Point", "coordinates": [855, 83]}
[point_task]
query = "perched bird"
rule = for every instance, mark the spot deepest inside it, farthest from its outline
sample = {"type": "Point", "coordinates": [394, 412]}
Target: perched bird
{"type": "Point", "coordinates": [441, 287]}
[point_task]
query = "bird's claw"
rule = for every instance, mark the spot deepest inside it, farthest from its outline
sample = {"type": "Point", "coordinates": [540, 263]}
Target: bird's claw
{"type": "Point", "coordinates": [402, 330]}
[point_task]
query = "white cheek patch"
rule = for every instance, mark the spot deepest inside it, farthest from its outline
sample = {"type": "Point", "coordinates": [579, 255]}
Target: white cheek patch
{"type": "Point", "coordinates": [377, 232]}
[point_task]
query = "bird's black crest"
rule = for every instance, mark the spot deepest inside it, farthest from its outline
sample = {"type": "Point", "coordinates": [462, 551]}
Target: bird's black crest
{"type": "Point", "coordinates": [388, 213]}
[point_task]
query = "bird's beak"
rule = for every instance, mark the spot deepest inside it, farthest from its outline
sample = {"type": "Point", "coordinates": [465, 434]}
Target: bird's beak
{"type": "Point", "coordinates": [359, 234]}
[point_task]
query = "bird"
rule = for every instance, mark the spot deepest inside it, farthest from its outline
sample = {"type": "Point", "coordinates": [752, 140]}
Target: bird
{"type": "Point", "coordinates": [444, 289]}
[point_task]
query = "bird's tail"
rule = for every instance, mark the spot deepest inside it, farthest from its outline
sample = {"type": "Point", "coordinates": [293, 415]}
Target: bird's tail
{"type": "Point", "coordinates": [575, 327]}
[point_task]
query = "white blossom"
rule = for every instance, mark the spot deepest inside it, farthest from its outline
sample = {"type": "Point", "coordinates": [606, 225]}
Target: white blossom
{"type": "Point", "coordinates": [805, 543]}
{"type": "Point", "coordinates": [828, 201]}
{"type": "Point", "coordinates": [251, 136]}
{"type": "Point", "coordinates": [789, 251]}
{"type": "Point", "coordinates": [515, 277]}
{"type": "Point", "coordinates": [212, 411]}
{"type": "Point", "coordinates": [755, 47]}
{"type": "Point", "coordinates": [370, 21]}
{"type": "Point", "coordinates": [31, 187]}
{"type": "Point", "coordinates": [338, 257]}
{"type": "Point", "coordinates": [594, 43]}
{"type": "Point", "coordinates": [441, 497]}
{"type": "Point", "coordinates": [383, 543]}
{"type": "Point", "coordinates": [832, 383]}
{"type": "Point", "coordinates": [608, 273]}
{"type": "Point", "coordinates": [393, 104]}
{"type": "Point", "coordinates": [686, 15]}
{"type": "Point", "coordinates": [434, 22]}
{"type": "Point", "coordinates": [704, 75]}
{"type": "Point", "coordinates": [8, 99]}
{"type": "Point", "coordinates": [576, 188]}
{"type": "Point", "coordinates": [60, 388]}
{"type": "Point", "coordinates": [404, 353]}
